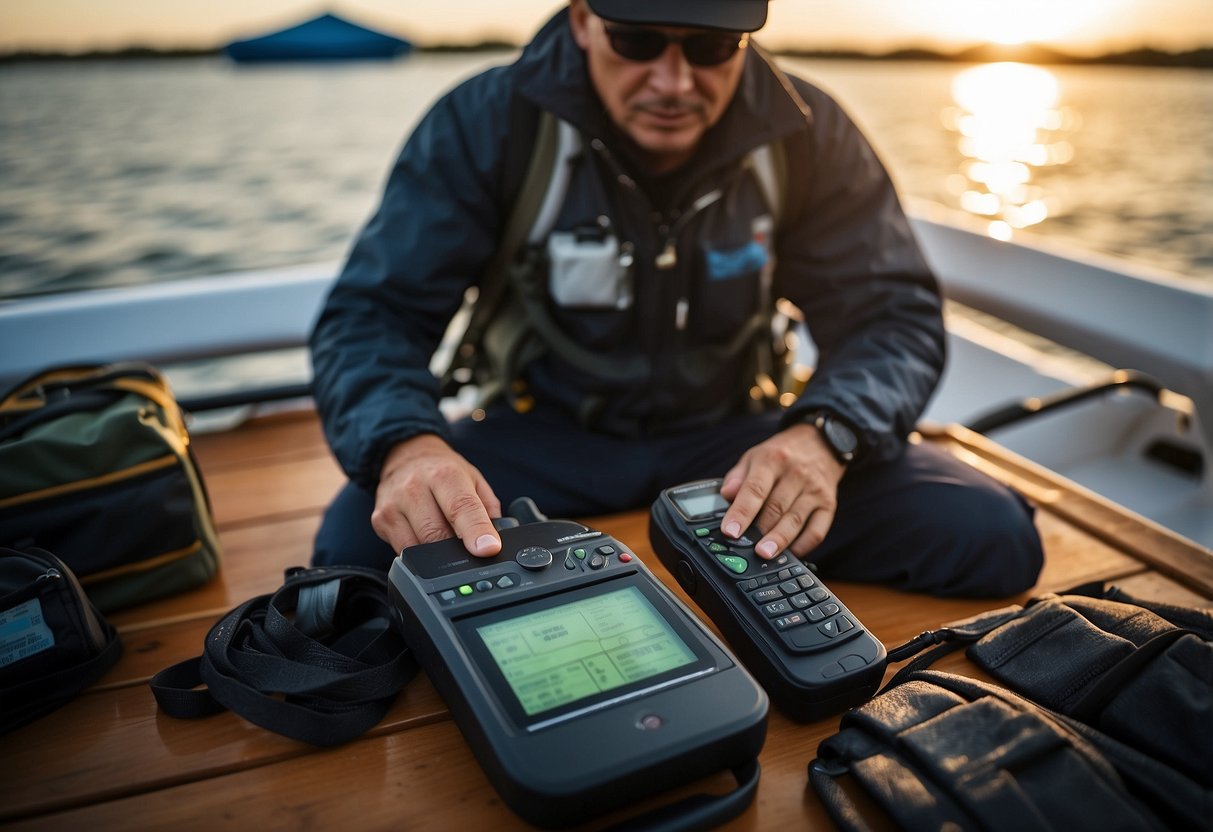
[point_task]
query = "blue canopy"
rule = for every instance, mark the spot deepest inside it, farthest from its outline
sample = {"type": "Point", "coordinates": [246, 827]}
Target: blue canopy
{"type": "Point", "coordinates": [325, 38]}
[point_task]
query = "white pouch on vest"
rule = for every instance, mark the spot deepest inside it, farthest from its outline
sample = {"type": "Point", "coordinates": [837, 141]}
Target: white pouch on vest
{"type": "Point", "coordinates": [588, 273]}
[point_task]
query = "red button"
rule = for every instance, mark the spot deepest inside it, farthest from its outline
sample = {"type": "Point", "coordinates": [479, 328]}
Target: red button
{"type": "Point", "coordinates": [625, 558]}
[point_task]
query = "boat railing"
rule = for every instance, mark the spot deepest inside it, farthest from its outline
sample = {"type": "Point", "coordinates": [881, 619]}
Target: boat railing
{"type": "Point", "coordinates": [1108, 309]}
{"type": "Point", "coordinates": [1115, 311]}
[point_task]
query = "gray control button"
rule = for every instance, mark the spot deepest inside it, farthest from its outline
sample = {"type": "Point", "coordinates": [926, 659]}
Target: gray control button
{"type": "Point", "coordinates": [762, 596]}
{"type": "Point", "coordinates": [789, 621]}
{"type": "Point", "coordinates": [777, 608]}
{"type": "Point", "coordinates": [505, 582]}
{"type": "Point", "coordinates": [484, 586]}
{"type": "Point", "coordinates": [534, 557]}
{"type": "Point", "coordinates": [853, 662]}
{"type": "Point", "coordinates": [806, 637]}
{"type": "Point", "coordinates": [447, 595]}
{"type": "Point", "coordinates": [833, 669]}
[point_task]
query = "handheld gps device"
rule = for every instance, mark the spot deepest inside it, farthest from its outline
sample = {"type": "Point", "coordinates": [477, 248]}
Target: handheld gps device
{"type": "Point", "coordinates": [580, 682]}
{"type": "Point", "coordinates": [809, 651]}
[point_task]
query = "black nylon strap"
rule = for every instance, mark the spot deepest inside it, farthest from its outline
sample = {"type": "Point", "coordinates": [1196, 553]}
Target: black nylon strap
{"type": "Point", "coordinates": [945, 640]}
{"type": "Point", "coordinates": [325, 689]}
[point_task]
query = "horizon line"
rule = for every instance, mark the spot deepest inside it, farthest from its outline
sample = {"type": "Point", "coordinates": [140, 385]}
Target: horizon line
{"type": "Point", "coordinates": [1029, 51]}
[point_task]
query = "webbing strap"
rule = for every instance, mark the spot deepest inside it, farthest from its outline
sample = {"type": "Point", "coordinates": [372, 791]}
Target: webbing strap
{"type": "Point", "coordinates": [324, 688]}
{"type": "Point", "coordinates": [568, 146]}
{"type": "Point", "coordinates": [527, 205]}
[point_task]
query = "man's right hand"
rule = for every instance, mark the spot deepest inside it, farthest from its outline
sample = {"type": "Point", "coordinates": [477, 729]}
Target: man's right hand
{"type": "Point", "coordinates": [429, 492]}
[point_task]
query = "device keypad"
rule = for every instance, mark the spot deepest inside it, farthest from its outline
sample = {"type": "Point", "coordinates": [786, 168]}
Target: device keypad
{"type": "Point", "coordinates": [793, 602]}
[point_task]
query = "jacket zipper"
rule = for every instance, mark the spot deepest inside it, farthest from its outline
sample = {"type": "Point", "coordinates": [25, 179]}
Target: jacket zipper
{"type": "Point", "coordinates": [668, 226]}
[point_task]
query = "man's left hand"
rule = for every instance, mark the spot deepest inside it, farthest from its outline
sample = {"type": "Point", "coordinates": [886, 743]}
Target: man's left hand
{"type": "Point", "coordinates": [789, 485]}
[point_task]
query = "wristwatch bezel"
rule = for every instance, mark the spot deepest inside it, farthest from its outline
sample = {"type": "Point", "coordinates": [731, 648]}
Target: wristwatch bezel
{"type": "Point", "coordinates": [838, 436]}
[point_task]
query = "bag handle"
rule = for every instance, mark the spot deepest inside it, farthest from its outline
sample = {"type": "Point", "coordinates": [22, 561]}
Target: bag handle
{"type": "Point", "coordinates": [699, 811]}
{"type": "Point", "coordinates": [338, 679]}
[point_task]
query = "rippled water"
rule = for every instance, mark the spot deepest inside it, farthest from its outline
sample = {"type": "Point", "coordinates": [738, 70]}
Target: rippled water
{"type": "Point", "coordinates": [132, 172]}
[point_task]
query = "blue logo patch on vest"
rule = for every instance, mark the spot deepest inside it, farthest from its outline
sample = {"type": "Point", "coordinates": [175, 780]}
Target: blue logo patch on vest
{"type": "Point", "coordinates": [723, 265]}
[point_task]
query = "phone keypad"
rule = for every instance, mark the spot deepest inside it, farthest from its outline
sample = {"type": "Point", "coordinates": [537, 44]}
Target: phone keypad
{"type": "Point", "coordinates": [794, 604]}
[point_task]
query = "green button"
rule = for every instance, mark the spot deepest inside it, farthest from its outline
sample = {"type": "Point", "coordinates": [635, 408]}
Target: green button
{"type": "Point", "coordinates": [579, 554]}
{"type": "Point", "coordinates": [704, 532]}
{"type": "Point", "coordinates": [465, 590]}
{"type": "Point", "coordinates": [733, 563]}
{"type": "Point", "coordinates": [716, 548]}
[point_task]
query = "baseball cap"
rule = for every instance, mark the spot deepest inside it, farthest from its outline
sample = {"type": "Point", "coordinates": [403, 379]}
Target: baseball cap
{"type": "Point", "coordinates": [732, 15]}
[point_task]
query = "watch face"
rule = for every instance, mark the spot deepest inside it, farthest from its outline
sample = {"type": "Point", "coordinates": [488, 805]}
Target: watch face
{"type": "Point", "coordinates": [841, 438]}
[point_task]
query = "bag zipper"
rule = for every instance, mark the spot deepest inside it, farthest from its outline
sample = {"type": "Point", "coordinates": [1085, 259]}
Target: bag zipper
{"type": "Point", "coordinates": [57, 570]}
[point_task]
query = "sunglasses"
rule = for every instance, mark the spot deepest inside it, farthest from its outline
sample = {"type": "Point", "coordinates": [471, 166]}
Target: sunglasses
{"type": "Point", "coordinates": [701, 48]}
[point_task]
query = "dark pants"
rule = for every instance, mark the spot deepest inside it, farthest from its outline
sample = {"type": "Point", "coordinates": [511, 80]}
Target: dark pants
{"type": "Point", "coordinates": [923, 522]}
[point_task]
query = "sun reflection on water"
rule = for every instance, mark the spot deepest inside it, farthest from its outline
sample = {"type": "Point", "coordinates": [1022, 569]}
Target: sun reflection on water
{"type": "Point", "coordinates": [1011, 125]}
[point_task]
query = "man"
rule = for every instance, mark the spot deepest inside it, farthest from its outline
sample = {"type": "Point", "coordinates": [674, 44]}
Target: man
{"type": "Point", "coordinates": [663, 253]}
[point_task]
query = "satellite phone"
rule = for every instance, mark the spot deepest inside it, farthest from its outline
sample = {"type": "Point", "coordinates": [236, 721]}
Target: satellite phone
{"type": "Point", "coordinates": [811, 654]}
{"type": "Point", "coordinates": [580, 682]}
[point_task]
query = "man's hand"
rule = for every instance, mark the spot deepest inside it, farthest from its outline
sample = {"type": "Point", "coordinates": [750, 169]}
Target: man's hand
{"type": "Point", "coordinates": [789, 483]}
{"type": "Point", "coordinates": [428, 492]}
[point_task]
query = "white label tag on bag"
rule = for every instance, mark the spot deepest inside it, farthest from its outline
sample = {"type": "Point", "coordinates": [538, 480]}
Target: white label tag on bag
{"type": "Point", "coordinates": [23, 632]}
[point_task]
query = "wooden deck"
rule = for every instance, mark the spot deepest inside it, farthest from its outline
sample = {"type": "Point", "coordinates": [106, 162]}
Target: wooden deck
{"type": "Point", "coordinates": [109, 760]}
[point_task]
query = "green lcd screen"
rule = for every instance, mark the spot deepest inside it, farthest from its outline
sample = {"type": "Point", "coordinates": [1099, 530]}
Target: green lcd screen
{"type": "Point", "coordinates": [572, 651]}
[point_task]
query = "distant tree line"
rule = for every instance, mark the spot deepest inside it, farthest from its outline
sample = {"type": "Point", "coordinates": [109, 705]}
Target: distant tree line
{"type": "Point", "coordinates": [1193, 58]}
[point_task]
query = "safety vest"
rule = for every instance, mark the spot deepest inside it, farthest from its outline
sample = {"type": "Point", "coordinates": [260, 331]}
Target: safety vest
{"type": "Point", "coordinates": [508, 324]}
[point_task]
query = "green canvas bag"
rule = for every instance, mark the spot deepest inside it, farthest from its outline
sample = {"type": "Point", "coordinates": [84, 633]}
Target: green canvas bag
{"type": "Point", "coordinates": [96, 467]}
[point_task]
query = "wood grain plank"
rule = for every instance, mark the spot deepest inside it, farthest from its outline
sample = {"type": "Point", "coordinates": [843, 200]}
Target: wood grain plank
{"type": "Point", "coordinates": [423, 779]}
{"type": "Point", "coordinates": [417, 776]}
{"type": "Point", "coordinates": [293, 435]}
{"type": "Point", "coordinates": [275, 489]}
{"type": "Point", "coordinates": [116, 743]}
{"type": "Point", "coordinates": [1158, 587]}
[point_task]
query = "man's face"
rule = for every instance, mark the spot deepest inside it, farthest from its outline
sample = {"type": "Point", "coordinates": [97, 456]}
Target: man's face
{"type": "Point", "coordinates": [664, 105]}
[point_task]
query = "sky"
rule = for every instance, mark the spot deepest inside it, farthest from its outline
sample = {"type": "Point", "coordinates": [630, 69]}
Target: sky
{"type": "Point", "coordinates": [1080, 26]}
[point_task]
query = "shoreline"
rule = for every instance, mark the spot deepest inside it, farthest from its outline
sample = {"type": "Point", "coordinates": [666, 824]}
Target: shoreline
{"type": "Point", "coordinates": [1201, 58]}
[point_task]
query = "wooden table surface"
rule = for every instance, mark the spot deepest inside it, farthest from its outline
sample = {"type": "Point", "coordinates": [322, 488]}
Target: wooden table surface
{"type": "Point", "coordinates": [110, 760]}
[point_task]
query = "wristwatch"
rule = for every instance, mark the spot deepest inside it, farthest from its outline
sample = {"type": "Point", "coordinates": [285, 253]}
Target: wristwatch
{"type": "Point", "coordinates": [840, 439]}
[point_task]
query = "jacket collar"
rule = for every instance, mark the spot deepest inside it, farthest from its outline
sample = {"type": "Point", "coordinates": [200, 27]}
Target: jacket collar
{"type": "Point", "coordinates": [551, 73]}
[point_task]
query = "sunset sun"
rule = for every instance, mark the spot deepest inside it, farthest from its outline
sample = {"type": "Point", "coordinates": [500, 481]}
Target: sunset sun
{"type": "Point", "coordinates": [1021, 21]}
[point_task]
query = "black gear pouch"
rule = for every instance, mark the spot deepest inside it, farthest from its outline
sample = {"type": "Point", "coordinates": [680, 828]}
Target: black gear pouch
{"type": "Point", "coordinates": [53, 641]}
{"type": "Point", "coordinates": [1106, 722]}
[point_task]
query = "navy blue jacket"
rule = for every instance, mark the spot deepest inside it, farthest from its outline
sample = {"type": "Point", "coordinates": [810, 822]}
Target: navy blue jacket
{"type": "Point", "coordinates": [843, 254]}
